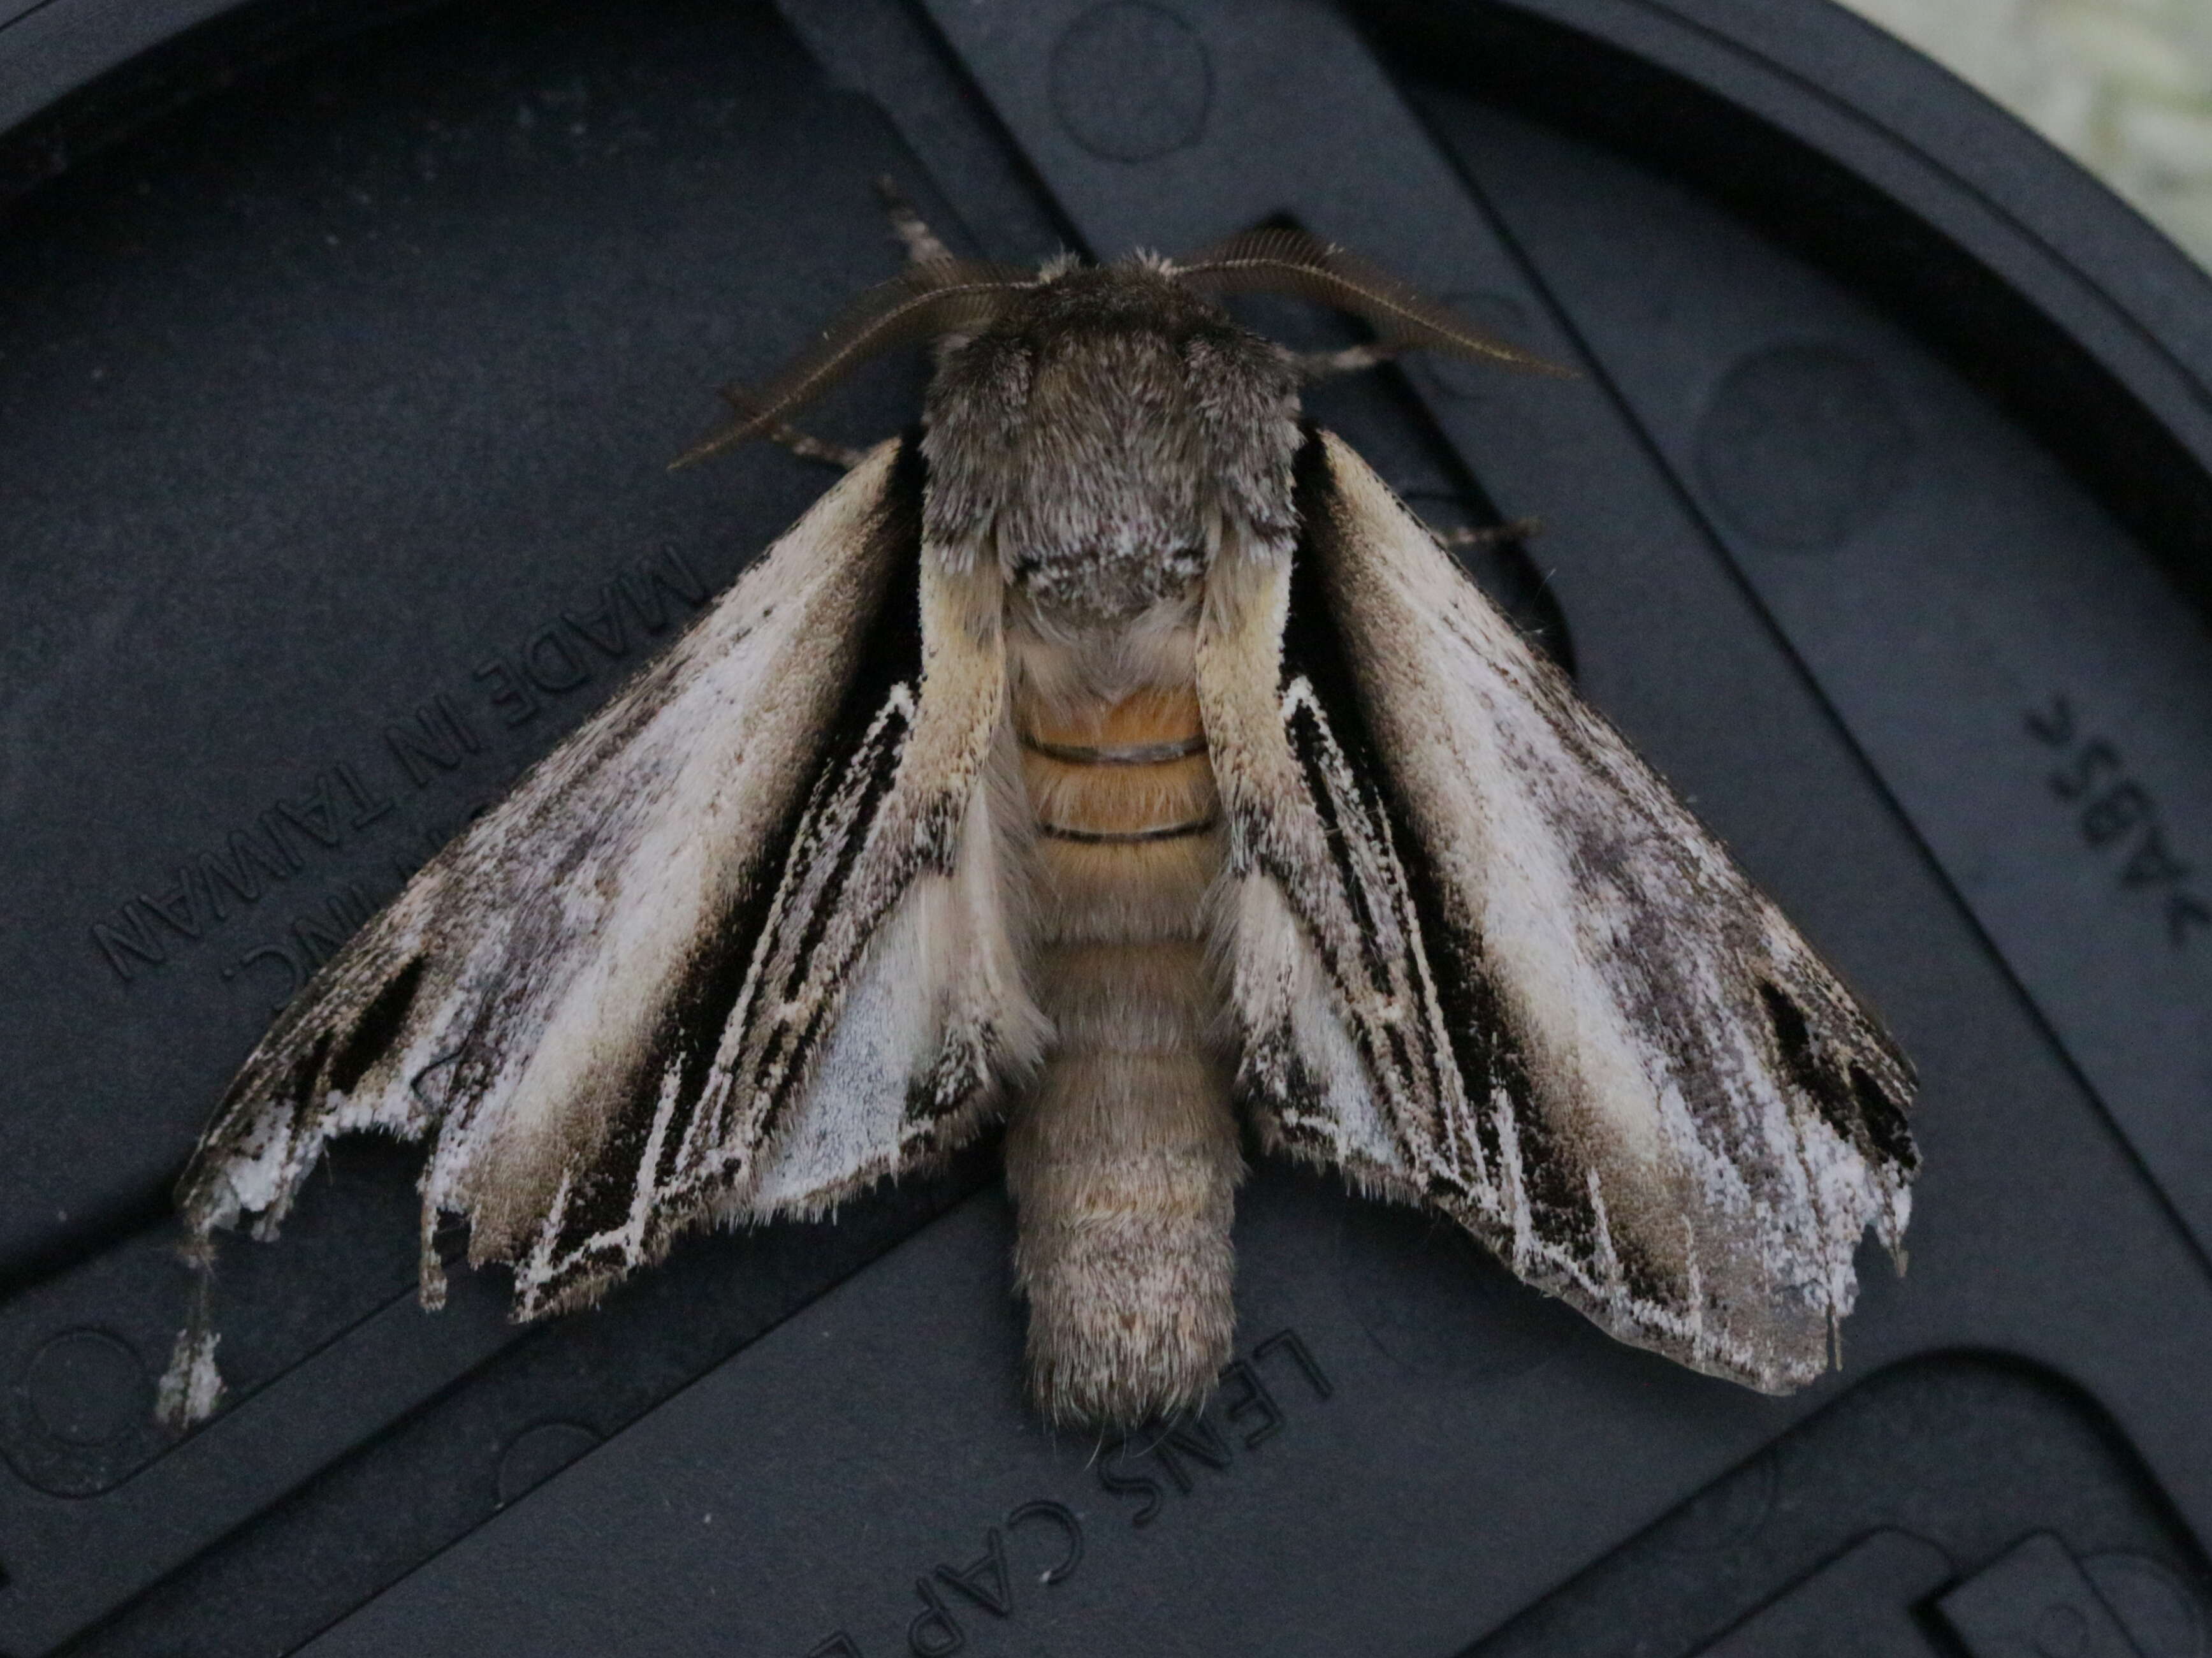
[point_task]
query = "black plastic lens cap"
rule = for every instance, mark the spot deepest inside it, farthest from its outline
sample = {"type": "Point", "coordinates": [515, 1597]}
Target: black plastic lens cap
{"type": "Point", "coordinates": [344, 348]}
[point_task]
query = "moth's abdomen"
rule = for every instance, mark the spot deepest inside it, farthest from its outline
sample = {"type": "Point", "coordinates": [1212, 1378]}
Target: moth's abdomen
{"type": "Point", "coordinates": [1122, 1158]}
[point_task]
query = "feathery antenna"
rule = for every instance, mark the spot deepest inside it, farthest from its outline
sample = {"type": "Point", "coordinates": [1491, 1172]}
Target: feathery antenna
{"type": "Point", "coordinates": [1297, 263]}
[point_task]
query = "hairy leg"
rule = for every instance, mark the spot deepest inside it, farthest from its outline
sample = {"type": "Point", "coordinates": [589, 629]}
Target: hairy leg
{"type": "Point", "coordinates": [921, 243]}
{"type": "Point", "coordinates": [1347, 359]}
{"type": "Point", "coordinates": [1492, 535]}
{"type": "Point", "coordinates": [808, 447]}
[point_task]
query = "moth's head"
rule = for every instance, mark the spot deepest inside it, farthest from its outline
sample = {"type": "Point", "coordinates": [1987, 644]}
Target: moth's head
{"type": "Point", "coordinates": [1101, 436]}
{"type": "Point", "coordinates": [1101, 431]}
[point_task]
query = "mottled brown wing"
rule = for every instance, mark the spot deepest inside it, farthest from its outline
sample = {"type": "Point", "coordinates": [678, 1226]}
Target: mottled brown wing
{"type": "Point", "coordinates": [1486, 960]}
{"type": "Point", "coordinates": [619, 998]}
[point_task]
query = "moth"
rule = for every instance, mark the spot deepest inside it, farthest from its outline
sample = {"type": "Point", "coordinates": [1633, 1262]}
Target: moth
{"type": "Point", "coordinates": [1117, 755]}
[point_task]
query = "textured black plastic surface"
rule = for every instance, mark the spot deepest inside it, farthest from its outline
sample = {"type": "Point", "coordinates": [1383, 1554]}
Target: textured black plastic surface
{"type": "Point", "coordinates": [332, 414]}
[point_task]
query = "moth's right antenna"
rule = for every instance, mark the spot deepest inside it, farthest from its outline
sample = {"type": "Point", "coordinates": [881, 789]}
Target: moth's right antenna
{"type": "Point", "coordinates": [1294, 262]}
{"type": "Point", "coordinates": [941, 296]}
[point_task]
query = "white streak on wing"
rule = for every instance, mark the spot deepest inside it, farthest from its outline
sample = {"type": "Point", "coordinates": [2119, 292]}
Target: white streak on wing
{"type": "Point", "coordinates": [1552, 980]}
{"type": "Point", "coordinates": [1608, 1258]}
{"type": "Point", "coordinates": [631, 1236]}
{"type": "Point", "coordinates": [1349, 1100]}
{"type": "Point", "coordinates": [1700, 1341]}
{"type": "Point", "coordinates": [993, 918]}
{"type": "Point", "coordinates": [628, 1240]}
{"type": "Point", "coordinates": [852, 1115]}
{"type": "Point", "coordinates": [1273, 948]}
{"type": "Point", "coordinates": [705, 1140]}
{"type": "Point", "coordinates": [1514, 1178]}
{"type": "Point", "coordinates": [1396, 932]}
{"type": "Point", "coordinates": [537, 1268]}
{"type": "Point", "coordinates": [943, 969]}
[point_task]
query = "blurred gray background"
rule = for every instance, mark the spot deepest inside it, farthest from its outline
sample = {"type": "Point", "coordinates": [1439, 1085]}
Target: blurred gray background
{"type": "Point", "coordinates": [2123, 86]}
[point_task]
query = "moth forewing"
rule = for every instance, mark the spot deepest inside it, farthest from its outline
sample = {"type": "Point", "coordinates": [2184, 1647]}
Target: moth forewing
{"type": "Point", "coordinates": [524, 896]}
{"type": "Point", "coordinates": [573, 963]}
{"type": "Point", "coordinates": [1677, 1117]}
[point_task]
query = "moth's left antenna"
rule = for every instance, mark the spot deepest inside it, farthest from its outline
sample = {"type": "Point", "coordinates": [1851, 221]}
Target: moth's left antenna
{"type": "Point", "coordinates": [940, 296]}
